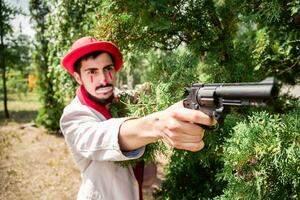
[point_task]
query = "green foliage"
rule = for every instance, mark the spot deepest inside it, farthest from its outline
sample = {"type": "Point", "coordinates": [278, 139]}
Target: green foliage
{"type": "Point", "coordinates": [49, 113]}
{"type": "Point", "coordinates": [17, 83]}
{"type": "Point", "coordinates": [223, 33]}
{"type": "Point", "coordinates": [158, 24]}
{"type": "Point", "coordinates": [8, 12]}
{"type": "Point", "coordinates": [262, 158]}
{"type": "Point", "coordinates": [8, 56]}
{"type": "Point", "coordinates": [18, 61]}
{"type": "Point", "coordinates": [277, 39]}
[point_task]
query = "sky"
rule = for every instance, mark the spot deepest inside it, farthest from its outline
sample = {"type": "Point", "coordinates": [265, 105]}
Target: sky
{"type": "Point", "coordinates": [20, 19]}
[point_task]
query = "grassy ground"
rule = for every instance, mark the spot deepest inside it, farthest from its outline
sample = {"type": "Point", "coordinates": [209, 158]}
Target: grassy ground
{"type": "Point", "coordinates": [34, 164]}
{"type": "Point", "coordinates": [22, 109]}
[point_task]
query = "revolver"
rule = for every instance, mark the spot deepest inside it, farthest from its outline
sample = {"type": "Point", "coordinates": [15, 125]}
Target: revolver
{"type": "Point", "coordinates": [213, 98]}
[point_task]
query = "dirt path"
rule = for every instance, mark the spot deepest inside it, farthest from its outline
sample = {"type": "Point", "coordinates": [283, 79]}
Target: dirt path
{"type": "Point", "coordinates": [36, 165]}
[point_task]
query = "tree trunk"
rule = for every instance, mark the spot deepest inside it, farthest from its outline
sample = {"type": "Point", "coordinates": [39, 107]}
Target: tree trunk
{"type": "Point", "coordinates": [3, 64]}
{"type": "Point", "coordinates": [4, 87]}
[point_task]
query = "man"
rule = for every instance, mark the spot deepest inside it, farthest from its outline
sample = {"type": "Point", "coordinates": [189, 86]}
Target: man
{"type": "Point", "coordinates": [97, 140]}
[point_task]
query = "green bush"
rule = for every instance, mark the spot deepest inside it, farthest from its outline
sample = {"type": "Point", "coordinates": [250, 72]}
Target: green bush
{"type": "Point", "coordinates": [257, 158]}
{"type": "Point", "coordinates": [262, 158]}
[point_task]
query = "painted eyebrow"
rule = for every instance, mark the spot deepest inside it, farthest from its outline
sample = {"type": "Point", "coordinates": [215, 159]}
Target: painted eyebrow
{"type": "Point", "coordinates": [110, 65]}
{"type": "Point", "coordinates": [93, 68]}
{"type": "Point", "coordinates": [89, 69]}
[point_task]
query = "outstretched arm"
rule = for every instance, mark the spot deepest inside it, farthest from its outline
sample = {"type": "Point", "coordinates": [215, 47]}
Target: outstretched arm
{"type": "Point", "coordinates": [176, 125]}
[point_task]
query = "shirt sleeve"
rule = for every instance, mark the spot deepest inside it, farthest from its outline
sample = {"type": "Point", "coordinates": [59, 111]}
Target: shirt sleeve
{"type": "Point", "coordinates": [86, 134]}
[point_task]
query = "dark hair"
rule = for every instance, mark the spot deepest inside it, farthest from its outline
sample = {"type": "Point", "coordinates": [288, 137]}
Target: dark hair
{"type": "Point", "coordinates": [93, 55]}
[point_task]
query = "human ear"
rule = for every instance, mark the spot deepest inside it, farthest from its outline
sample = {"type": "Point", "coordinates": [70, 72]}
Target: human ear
{"type": "Point", "coordinates": [77, 78]}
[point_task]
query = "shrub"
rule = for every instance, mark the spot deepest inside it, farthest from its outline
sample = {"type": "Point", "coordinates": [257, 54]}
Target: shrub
{"type": "Point", "coordinates": [262, 158]}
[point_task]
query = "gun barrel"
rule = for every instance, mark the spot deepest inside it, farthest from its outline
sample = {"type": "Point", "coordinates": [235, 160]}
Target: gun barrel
{"type": "Point", "coordinates": [260, 90]}
{"type": "Point", "coordinates": [246, 91]}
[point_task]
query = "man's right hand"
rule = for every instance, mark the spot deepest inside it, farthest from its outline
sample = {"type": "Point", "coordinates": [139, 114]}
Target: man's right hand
{"type": "Point", "coordinates": [178, 127]}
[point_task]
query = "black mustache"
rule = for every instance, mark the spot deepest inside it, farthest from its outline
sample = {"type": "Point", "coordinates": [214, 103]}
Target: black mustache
{"type": "Point", "coordinates": [103, 86]}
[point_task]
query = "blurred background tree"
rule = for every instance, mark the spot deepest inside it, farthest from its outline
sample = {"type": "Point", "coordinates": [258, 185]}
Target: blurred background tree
{"type": "Point", "coordinates": [15, 53]}
{"type": "Point", "coordinates": [48, 114]}
{"type": "Point", "coordinates": [19, 63]}
{"type": "Point", "coordinates": [7, 13]}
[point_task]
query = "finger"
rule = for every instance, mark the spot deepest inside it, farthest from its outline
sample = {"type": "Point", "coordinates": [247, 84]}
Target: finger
{"type": "Point", "coordinates": [167, 139]}
{"type": "Point", "coordinates": [179, 137]}
{"type": "Point", "coordinates": [167, 142]}
{"type": "Point", "coordinates": [186, 128]}
{"type": "Point", "coordinates": [191, 146]}
{"type": "Point", "coordinates": [194, 116]}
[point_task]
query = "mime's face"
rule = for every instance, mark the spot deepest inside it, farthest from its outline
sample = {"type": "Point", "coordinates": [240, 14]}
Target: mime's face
{"type": "Point", "coordinates": [97, 76]}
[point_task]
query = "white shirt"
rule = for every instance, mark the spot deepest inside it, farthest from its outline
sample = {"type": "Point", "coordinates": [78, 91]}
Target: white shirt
{"type": "Point", "coordinates": [93, 141]}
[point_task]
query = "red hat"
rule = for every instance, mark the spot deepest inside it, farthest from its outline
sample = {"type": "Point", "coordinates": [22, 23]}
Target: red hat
{"type": "Point", "coordinates": [86, 45]}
